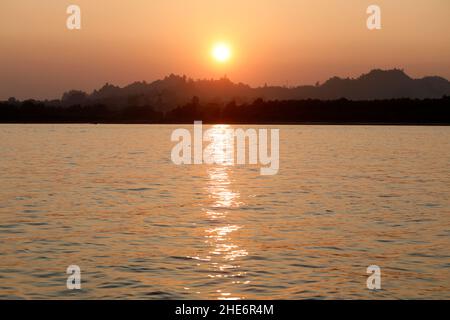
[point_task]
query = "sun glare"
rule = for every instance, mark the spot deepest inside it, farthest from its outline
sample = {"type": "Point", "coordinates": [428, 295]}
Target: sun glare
{"type": "Point", "coordinates": [221, 52]}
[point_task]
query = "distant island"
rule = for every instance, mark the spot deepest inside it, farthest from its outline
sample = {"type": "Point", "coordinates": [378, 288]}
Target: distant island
{"type": "Point", "coordinates": [380, 96]}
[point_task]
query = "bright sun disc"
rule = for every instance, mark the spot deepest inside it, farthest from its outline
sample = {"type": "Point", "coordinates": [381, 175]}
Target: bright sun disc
{"type": "Point", "coordinates": [221, 52]}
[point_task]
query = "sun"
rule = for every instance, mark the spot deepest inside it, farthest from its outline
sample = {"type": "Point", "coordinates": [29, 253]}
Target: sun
{"type": "Point", "coordinates": [221, 52]}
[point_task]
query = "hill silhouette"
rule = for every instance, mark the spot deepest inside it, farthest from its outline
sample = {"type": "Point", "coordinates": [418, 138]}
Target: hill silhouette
{"type": "Point", "coordinates": [379, 97]}
{"type": "Point", "coordinates": [172, 91]}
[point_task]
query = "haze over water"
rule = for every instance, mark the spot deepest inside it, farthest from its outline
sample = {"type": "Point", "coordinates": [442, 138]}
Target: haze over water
{"type": "Point", "coordinates": [109, 199]}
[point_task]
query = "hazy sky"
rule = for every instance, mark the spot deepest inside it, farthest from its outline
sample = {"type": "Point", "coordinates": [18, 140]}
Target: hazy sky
{"type": "Point", "coordinates": [273, 41]}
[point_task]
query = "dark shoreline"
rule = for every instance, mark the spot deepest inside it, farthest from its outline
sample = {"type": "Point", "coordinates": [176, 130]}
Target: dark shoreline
{"type": "Point", "coordinates": [426, 112]}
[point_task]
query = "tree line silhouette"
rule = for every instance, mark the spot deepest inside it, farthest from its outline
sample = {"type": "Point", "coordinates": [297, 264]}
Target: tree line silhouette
{"type": "Point", "coordinates": [341, 111]}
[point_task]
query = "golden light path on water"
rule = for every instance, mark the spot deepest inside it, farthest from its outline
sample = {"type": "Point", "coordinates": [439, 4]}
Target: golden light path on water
{"type": "Point", "coordinates": [224, 253]}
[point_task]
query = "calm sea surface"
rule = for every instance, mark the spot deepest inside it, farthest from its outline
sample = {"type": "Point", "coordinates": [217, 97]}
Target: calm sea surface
{"type": "Point", "coordinates": [108, 199]}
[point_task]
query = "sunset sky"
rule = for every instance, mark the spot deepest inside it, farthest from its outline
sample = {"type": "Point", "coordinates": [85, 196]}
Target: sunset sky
{"type": "Point", "coordinates": [283, 42]}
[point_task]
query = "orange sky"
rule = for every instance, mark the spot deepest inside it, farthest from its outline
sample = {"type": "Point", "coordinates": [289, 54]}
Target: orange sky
{"type": "Point", "coordinates": [279, 42]}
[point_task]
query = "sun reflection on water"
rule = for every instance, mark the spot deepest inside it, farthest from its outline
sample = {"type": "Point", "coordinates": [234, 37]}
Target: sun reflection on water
{"type": "Point", "coordinates": [224, 252]}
